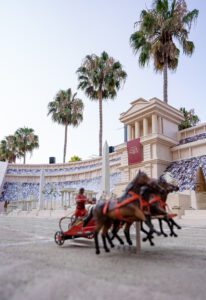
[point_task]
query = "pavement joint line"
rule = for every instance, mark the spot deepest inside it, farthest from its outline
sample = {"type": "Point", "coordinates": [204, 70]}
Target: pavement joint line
{"type": "Point", "coordinates": [31, 235]}
{"type": "Point", "coordinates": [25, 243]}
{"type": "Point", "coordinates": [193, 227]}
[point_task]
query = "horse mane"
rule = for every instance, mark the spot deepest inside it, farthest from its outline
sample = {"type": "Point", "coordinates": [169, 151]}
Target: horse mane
{"type": "Point", "coordinates": [136, 181]}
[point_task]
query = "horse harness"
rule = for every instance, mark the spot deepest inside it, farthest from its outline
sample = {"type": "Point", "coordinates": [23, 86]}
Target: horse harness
{"type": "Point", "coordinates": [143, 204]}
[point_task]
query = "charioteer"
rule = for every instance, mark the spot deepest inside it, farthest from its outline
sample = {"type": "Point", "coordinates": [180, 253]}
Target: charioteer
{"type": "Point", "coordinates": [81, 201]}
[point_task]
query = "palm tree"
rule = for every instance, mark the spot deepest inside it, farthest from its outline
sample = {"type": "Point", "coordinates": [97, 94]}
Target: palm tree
{"type": "Point", "coordinates": [100, 77]}
{"type": "Point", "coordinates": [26, 141]}
{"type": "Point", "coordinates": [9, 149]}
{"type": "Point", "coordinates": [190, 118]}
{"type": "Point", "coordinates": [158, 29]}
{"type": "Point", "coordinates": [74, 158]}
{"type": "Point", "coordinates": [66, 110]}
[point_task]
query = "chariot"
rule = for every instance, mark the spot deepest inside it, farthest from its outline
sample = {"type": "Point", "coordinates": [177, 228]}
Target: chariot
{"type": "Point", "coordinates": [72, 228]}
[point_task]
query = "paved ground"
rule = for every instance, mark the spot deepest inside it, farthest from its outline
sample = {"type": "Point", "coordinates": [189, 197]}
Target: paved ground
{"type": "Point", "coordinates": [33, 267]}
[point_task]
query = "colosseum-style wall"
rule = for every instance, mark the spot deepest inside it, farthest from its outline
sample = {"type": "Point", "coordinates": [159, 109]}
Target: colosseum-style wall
{"type": "Point", "coordinates": [155, 123]}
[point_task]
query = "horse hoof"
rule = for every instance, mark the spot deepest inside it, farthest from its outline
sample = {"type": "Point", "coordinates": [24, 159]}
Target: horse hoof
{"type": "Point", "coordinates": [165, 235]}
{"type": "Point", "coordinates": [144, 239]}
{"type": "Point", "coordinates": [112, 246]}
{"type": "Point", "coordinates": [122, 243]}
{"type": "Point", "coordinates": [97, 252]}
{"type": "Point", "coordinates": [107, 250]}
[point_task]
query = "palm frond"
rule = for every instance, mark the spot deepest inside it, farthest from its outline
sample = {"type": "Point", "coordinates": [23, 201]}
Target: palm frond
{"type": "Point", "coordinates": [191, 17]}
{"type": "Point", "coordinates": [188, 47]}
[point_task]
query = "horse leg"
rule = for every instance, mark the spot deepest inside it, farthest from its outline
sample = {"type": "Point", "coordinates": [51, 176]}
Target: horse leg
{"type": "Point", "coordinates": [161, 228]}
{"type": "Point", "coordinates": [152, 230]}
{"type": "Point", "coordinates": [109, 240]}
{"type": "Point", "coordinates": [106, 234]}
{"type": "Point", "coordinates": [170, 225]}
{"type": "Point", "coordinates": [115, 229]}
{"type": "Point", "coordinates": [148, 222]}
{"type": "Point", "coordinates": [104, 238]}
{"type": "Point", "coordinates": [145, 231]}
{"type": "Point", "coordinates": [175, 224]}
{"type": "Point", "coordinates": [141, 216]}
{"type": "Point", "coordinates": [105, 243]}
{"type": "Point", "coordinates": [96, 240]}
{"type": "Point", "coordinates": [127, 233]}
{"type": "Point", "coordinates": [148, 237]}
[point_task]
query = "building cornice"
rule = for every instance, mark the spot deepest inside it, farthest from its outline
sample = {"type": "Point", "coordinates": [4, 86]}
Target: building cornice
{"type": "Point", "coordinates": [153, 106]}
{"type": "Point", "coordinates": [189, 145]}
{"type": "Point", "coordinates": [158, 138]}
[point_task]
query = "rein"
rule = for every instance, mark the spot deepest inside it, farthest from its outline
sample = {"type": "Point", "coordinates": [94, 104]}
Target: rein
{"type": "Point", "coordinates": [143, 204]}
{"type": "Point", "coordinates": [125, 202]}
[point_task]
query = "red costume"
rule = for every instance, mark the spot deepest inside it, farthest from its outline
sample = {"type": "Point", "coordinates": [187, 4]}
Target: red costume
{"type": "Point", "coordinates": [81, 200]}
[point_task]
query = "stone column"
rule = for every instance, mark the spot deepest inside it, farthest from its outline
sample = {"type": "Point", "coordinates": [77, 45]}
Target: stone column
{"type": "Point", "coordinates": [125, 133]}
{"type": "Point", "coordinates": [145, 127]}
{"type": "Point", "coordinates": [154, 123]}
{"type": "Point", "coordinates": [129, 132]}
{"type": "Point", "coordinates": [160, 129]}
{"type": "Point", "coordinates": [137, 129]}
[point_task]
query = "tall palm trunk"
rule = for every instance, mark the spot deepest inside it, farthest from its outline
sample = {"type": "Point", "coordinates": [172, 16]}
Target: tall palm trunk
{"type": "Point", "coordinates": [24, 157]}
{"type": "Point", "coordinates": [165, 83]}
{"type": "Point", "coordinates": [100, 124]}
{"type": "Point", "coordinates": [65, 143]}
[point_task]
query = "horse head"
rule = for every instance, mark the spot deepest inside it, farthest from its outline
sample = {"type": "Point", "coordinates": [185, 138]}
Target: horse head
{"type": "Point", "coordinates": [139, 180]}
{"type": "Point", "coordinates": [152, 188]}
{"type": "Point", "coordinates": [167, 186]}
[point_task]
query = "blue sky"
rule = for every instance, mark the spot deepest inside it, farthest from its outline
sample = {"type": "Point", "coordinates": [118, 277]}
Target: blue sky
{"type": "Point", "coordinates": [43, 42]}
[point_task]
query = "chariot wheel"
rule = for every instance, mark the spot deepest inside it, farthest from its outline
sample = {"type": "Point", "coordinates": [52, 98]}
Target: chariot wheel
{"type": "Point", "coordinates": [58, 238]}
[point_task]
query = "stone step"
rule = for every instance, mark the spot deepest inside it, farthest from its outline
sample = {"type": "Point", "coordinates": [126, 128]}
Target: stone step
{"type": "Point", "coordinates": [193, 218]}
{"type": "Point", "coordinates": [195, 212]}
{"type": "Point", "coordinates": [23, 213]}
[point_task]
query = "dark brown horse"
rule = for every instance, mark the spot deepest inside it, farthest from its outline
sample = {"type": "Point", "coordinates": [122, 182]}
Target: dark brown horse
{"type": "Point", "coordinates": [168, 188]}
{"type": "Point", "coordinates": [158, 209]}
{"type": "Point", "coordinates": [127, 208]}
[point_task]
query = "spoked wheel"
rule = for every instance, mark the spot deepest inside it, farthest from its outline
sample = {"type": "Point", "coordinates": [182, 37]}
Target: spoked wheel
{"type": "Point", "coordinates": [59, 238]}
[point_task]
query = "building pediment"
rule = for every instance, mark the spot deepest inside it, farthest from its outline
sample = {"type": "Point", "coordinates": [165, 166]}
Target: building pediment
{"type": "Point", "coordinates": [136, 106]}
{"type": "Point", "coordinates": [141, 108]}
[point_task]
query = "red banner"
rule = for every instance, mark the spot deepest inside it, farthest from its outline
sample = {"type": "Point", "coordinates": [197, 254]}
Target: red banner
{"type": "Point", "coordinates": [134, 150]}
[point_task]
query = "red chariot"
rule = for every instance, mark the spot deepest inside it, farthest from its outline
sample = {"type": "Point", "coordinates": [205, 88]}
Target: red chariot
{"type": "Point", "coordinates": [74, 229]}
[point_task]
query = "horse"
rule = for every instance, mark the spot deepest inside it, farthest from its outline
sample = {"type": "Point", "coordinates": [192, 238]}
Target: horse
{"type": "Point", "coordinates": [128, 207]}
{"type": "Point", "coordinates": [168, 188]}
{"type": "Point", "coordinates": [158, 209]}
